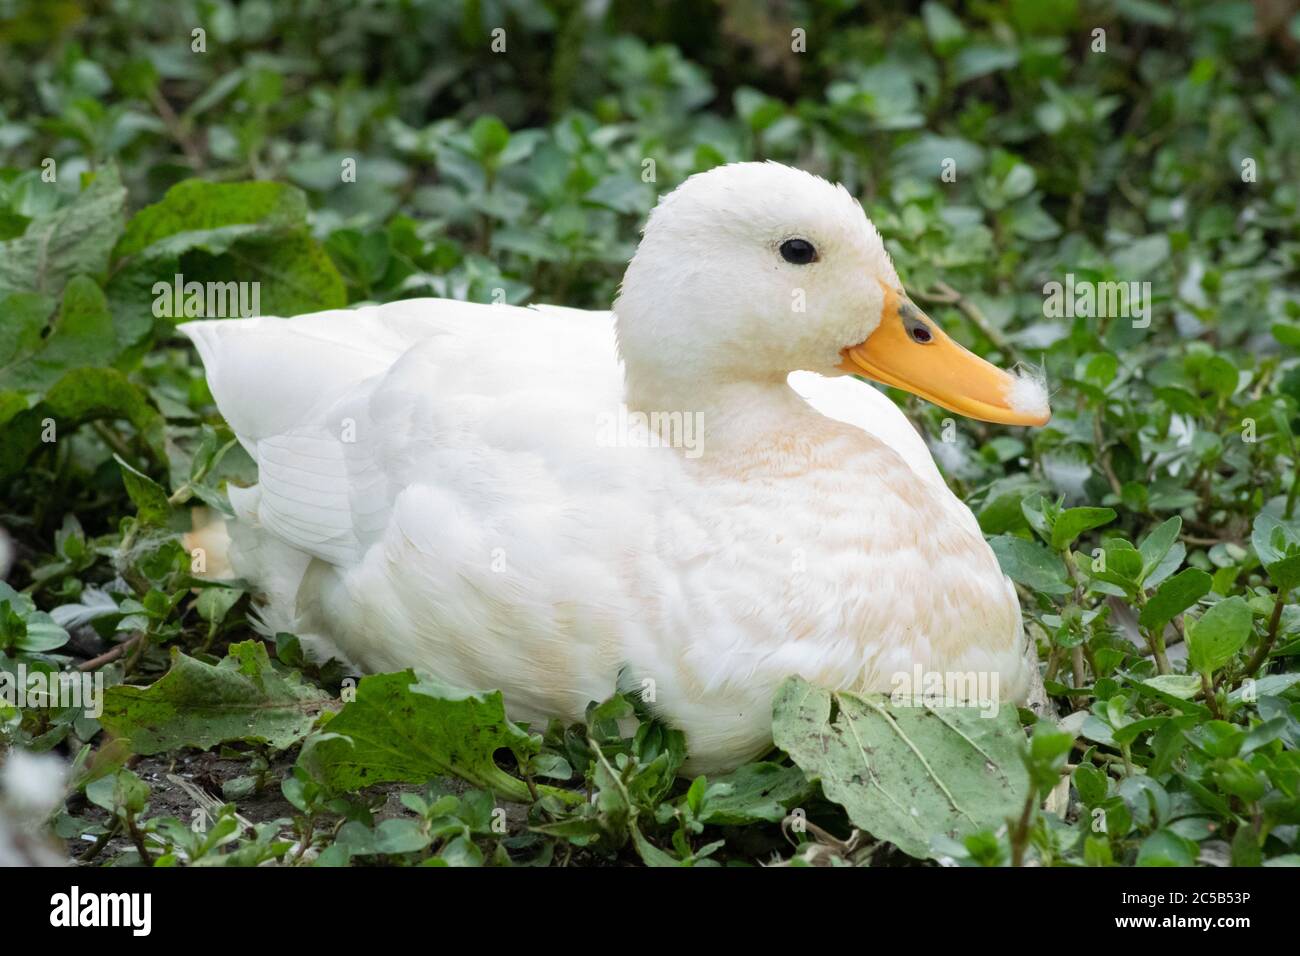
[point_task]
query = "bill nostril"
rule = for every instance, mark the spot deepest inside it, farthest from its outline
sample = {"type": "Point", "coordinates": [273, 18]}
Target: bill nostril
{"type": "Point", "coordinates": [917, 330]}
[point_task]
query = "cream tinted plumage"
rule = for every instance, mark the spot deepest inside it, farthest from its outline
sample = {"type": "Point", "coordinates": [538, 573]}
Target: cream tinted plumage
{"type": "Point", "coordinates": [440, 486]}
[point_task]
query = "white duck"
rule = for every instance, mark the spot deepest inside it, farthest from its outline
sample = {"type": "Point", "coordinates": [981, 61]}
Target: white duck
{"type": "Point", "coordinates": [451, 487]}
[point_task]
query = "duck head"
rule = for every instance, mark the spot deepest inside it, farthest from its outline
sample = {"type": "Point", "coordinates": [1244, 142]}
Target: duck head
{"type": "Point", "coordinates": [750, 271]}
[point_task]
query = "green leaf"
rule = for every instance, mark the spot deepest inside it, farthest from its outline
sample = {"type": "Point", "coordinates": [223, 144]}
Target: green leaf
{"type": "Point", "coordinates": [1266, 686]}
{"type": "Point", "coordinates": [244, 698]}
{"type": "Point", "coordinates": [400, 835]}
{"type": "Point", "coordinates": [81, 334]}
{"type": "Point", "coordinates": [295, 275]}
{"type": "Point", "coordinates": [752, 793]}
{"type": "Point", "coordinates": [227, 232]}
{"type": "Point", "coordinates": [980, 59]}
{"type": "Point", "coordinates": [905, 774]}
{"type": "Point", "coordinates": [1030, 564]}
{"type": "Point", "coordinates": [1214, 637]}
{"type": "Point", "coordinates": [214, 603]}
{"type": "Point", "coordinates": [1158, 543]}
{"type": "Point", "coordinates": [211, 217]}
{"type": "Point", "coordinates": [1182, 686]}
{"type": "Point", "coordinates": [1123, 565]}
{"type": "Point", "coordinates": [489, 137]}
{"type": "Point", "coordinates": [42, 634]}
{"type": "Point", "coordinates": [23, 316]}
{"type": "Point", "coordinates": [149, 497]}
{"type": "Point", "coordinates": [120, 793]}
{"type": "Point", "coordinates": [1173, 597]}
{"type": "Point", "coordinates": [943, 27]}
{"type": "Point", "coordinates": [81, 395]}
{"type": "Point", "coordinates": [1277, 543]}
{"type": "Point", "coordinates": [1073, 522]}
{"type": "Point", "coordinates": [23, 627]}
{"type": "Point", "coordinates": [1091, 783]}
{"type": "Point", "coordinates": [1166, 848]}
{"type": "Point", "coordinates": [404, 728]}
{"type": "Point", "coordinates": [75, 239]}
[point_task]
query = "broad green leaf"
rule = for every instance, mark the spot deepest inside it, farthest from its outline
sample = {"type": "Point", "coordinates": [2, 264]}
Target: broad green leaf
{"type": "Point", "coordinates": [489, 137]}
{"type": "Point", "coordinates": [42, 634]}
{"type": "Point", "coordinates": [1091, 783]}
{"type": "Point", "coordinates": [1131, 731]}
{"type": "Point", "coordinates": [944, 27]}
{"type": "Point", "coordinates": [1277, 544]}
{"type": "Point", "coordinates": [650, 854]}
{"type": "Point", "coordinates": [23, 627]}
{"type": "Point", "coordinates": [1182, 686]}
{"type": "Point", "coordinates": [211, 217]}
{"type": "Point", "coordinates": [11, 403]}
{"type": "Point", "coordinates": [1157, 544]}
{"type": "Point", "coordinates": [75, 239]}
{"type": "Point", "coordinates": [1040, 513]}
{"type": "Point", "coordinates": [23, 316]}
{"type": "Point", "coordinates": [752, 793]}
{"type": "Point", "coordinates": [1123, 565]}
{"type": "Point", "coordinates": [905, 774]}
{"type": "Point", "coordinates": [1220, 376]}
{"type": "Point", "coordinates": [82, 395]}
{"type": "Point", "coordinates": [400, 835]}
{"type": "Point", "coordinates": [1173, 597]}
{"type": "Point", "coordinates": [244, 698]}
{"type": "Point", "coordinates": [122, 792]}
{"type": "Point", "coordinates": [1029, 563]}
{"type": "Point", "coordinates": [1269, 684]}
{"type": "Point", "coordinates": [214, 603]}
{"type": "Point", "coordinates": [980, 59]}
{"type": "Point", "coordinates": [294, 273]}
{"type": "Point", "coordinates": [404, 728]}
{"type": "Point", "coordinates": [227, 232]}
{"type": "Point", "coordinates": [1214, 637]}
{"type": "Point", "coordinates": [1073, 522]}
{"type": "Point", "coordinates": [81, 334]}
{"type": "Point", "coordinates": [1166, 848]}
{"type": "Point", "coordinates": [1172, 561]}
{"type": "Point", "coordinates": [150, 499]}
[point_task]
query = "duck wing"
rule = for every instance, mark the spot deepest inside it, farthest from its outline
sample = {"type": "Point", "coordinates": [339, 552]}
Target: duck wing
{"type": "Point", "coordinates": [343, 410]}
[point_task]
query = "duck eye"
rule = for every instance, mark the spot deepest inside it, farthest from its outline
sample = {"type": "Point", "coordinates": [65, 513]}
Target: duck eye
{"type": "Point", "coordinates": [798, 251]}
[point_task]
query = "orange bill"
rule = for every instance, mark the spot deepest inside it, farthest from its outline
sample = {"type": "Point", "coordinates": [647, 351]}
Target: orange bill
{"type": "Point", "coordinates": [909, 351]}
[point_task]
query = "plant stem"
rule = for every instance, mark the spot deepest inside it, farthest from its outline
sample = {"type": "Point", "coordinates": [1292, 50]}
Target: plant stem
{"type": "Point", "coordinates": [111, 654]}
{"type": "Point", "coordinates": [115, 441]}
{"type": "Point", "coordinates": [1211, 700]}
{"type": "Point", "coordinates": [1260, 657]}
{"type": "Point", "coordinates": [1156, 645]}
{"type": "Point", "coordinates": [138, 839]}
{"type": "Point", "coordinates": [1103, 456]}
{"type": "Point", "coordinates": [1020, 833]}
{"type": "Point", "coordinates": [102, 841]}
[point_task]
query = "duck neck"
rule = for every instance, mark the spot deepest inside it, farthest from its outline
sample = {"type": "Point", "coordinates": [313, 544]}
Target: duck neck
{"type": "Point", "coordinates": [730, 424]}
